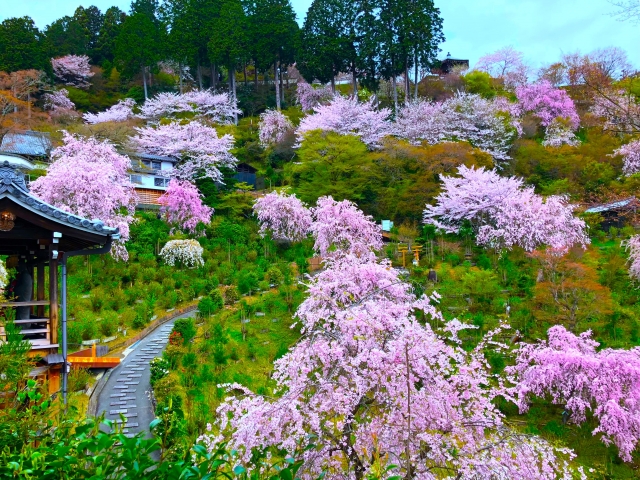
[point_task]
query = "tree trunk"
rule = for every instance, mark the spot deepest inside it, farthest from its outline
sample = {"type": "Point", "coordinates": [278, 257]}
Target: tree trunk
{"type": "Point", "coordinates": [354, 81]}
{"type": "Point", "coordinates": [407, 86]}
{"type": "Point", "coordinates": [214, 76]}
{"type": "Point", "coordinates": [199, 76]}
{"type": "Point", "coordinates": [180, 76]}
{"type": "Point", "coordinates": [281, 86]}
{"type": "Point", "coordinates": [235, 97]}
{"type": "Point", "coordinates": [244, 71]}
{"type": "Point", "coordinates": [29, 105]}
{"type": "Point", "coordinates": [144, 83]}
{"type": "Point", "coordinates": [333, 85]}
{"type": "Point", "coordinates": [415, 94]}
{"type": "Point", "coordinates": [255, 76]}
{"type": "Point", "coordinates": [395, 91]}
{"type": "Point", "coordinates": [276, 81]}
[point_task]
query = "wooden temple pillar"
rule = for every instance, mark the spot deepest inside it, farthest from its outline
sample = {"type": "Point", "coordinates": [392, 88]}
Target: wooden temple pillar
{"type": "Point", "coordinates": [40, 288]}
{"type": "Point", "coordinates": [53, 298]}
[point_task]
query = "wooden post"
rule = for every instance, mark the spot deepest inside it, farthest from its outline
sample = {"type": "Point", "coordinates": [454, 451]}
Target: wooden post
{"type": "Point", "coordinates": [53, 299]}
{"type": "Point", "coordinates": [40, 288]}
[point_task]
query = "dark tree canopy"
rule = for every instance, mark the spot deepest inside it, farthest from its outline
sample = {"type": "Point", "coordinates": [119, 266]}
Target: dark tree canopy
{"type": "Point", "coordinates": [21, 45]}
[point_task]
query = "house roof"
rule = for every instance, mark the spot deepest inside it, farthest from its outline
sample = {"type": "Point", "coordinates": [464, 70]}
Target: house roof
{"type": "Point", "coordinates": [35, 221]}
{"type": "Point", "coordinates": [20, 162]}
{"type": "Point", "coordinates": [612, 206]}
{"type": "Point", "coordinates": [35, 144]}
{"type": "Point", "coordinates": [148, 156]}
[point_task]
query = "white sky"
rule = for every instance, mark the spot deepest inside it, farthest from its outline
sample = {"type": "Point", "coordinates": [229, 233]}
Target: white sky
{"type": "Point", "coordinates": [542, 29]}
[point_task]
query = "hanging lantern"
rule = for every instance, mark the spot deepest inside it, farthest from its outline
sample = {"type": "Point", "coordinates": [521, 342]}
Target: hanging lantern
{"type": "Point", "coordinates": [7, 221]}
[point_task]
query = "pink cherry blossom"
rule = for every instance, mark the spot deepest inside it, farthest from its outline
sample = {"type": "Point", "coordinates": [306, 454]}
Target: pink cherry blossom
{"type": "Point", "coordinates": [58, 102]}
{"type": "Point", "coordinates": [309, 97]}
{"type": "Point", "coordinates": [465, 117]}
{"type": "Point", "coordinates": [347, 116]}
{"type": "Point", "coordinates": [569, 371]}
{"type": "Point", "coordinates": [631, 156]}
{"type": "Point", "coordinates": [120, 112]}
{"type": "Point", "coordinates": [547, 103]}
{"type": "Point", "coordinates": [619, 109]}
{"type": "Point", "coordinates": [273, 127]}
{"type": "Point", "coordinates": [182, 205]}
{"type": "Point", "coordinates": [504, 213]}
{"type": "Point", "coordinates": [214, 107]}
{"type": "Point", "coordinates": [475, 195]}
{"type": "Point", "coordinates": [368, 381]}
{"type": "Point", "coordinates": [89, 178]}
{"type": "Point", "coordinates": [201, 151]}
{"type": "Point", "coordinates": [341, 228]}
{"type": "Point", "coordinates": [283, 217]}
{"type": "Point", "coordinates": [529, 221]}
{"type": "Point", "coordinates": [73, 70]}
{"type": "Point", "coordinates": [506, 64]}
{"type": "Point", "coordinates": [633, 248]}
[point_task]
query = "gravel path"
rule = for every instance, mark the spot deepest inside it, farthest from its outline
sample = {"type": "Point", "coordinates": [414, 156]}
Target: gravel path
{"type": "Point", "coordinates": [127, 389]}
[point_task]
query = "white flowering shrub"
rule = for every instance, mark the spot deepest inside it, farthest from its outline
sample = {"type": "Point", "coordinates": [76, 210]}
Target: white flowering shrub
{"type": "Point", "coordinates": [4, 278]}
{"type": "Point", "coordinates": [182, 252]}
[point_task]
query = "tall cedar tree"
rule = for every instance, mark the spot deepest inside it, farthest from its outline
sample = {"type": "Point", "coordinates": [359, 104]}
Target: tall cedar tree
{"type": "Point", "coordinates": [228, 46]}
{"type": "Point", "coordinates": [327, 41]}
{"type": "Point", "coordinates": [21, 45]}
{"type": "Point", "coordinates": [275, 33]}
{"type": "Point", "coordinates": [106, 43]}
{"type": "Point", "coordinates": [138, 45]}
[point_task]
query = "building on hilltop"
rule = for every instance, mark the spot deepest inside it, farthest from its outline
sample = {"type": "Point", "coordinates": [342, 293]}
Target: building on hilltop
{"type": "Point", "coordinates": [449, 64]}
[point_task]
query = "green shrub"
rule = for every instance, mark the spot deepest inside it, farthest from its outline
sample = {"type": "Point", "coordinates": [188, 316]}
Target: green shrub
{"type": "Point", "coordinates": [231, 295]}
{"type": "Point", "coordinates": [186, 328]}
{"type": "Point", "coordinates": [275, 276]}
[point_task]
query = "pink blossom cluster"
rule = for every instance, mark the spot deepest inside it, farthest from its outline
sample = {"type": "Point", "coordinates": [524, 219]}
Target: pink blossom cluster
{"type": "Point", "coordinates": [339, 228]}
{"type": "Point", "coordinates": [569, 370]}
{"type": "Point", "coordinates": [465, 117]}
{"type": "Point", "coordinates": [309, 97]}
{"type": "Point", "coordinates": [504, 213]}
{"type": "Point", "coordinates": [182, 252]}
{"type": "Point", "coordinates": [367, 377]}
{"type": "Point", "coordinates": [215, 107]}
{"type": "Point", "coordinates": [89, 178]}
{"type": "Point", "coordinates": [506, 64]}
{"type": "Point", "coordinates": [182, 205]}
{"type": "Point", "coordinates": [633, 248]}
{"type": "Point", "coordinates": [547, 102]}
{"type": "Point", "coordinates": [631, 157]}
{"type": "Point", "coordinates": [347, 116]}
{"type": "Point", "coordinates": [73, 70]}
{"type": "Point", "coordinates": [273, 127]}
{"type": "Point", "coordinates": [620, 111]}
{"type": "Point", "coordinates": [283, 217]}
{"type": "Point", "coordinates": [120, 112]}
{"type": "Point", "coordinates": [58, 101]}
{"type": "Point", "coordinates": [528, 220]}
{"type": "Point", "coordinates": [201, 150]}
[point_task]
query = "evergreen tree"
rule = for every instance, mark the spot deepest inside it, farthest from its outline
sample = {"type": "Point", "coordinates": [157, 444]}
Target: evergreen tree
{"type": "Point", "coordinates": [90, 21]}
{"type": "Point", "coordinates": [138, 46]}
{"type": "Point", "coordinates": [327, 41]}
{"type": "Point", "coordinates": [21, 45]}
{"type": "Point", "coordinates": [106, 41]}
{"type": "Point", "coordinates": [66, 36]}
{"type": "Point", "coordinates": [276, 34]}
{"type": "Point", "coordinates": [227, 47]}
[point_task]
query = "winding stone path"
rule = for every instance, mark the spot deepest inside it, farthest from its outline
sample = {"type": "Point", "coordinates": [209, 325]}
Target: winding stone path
{"type": "Point", "coordinates": [127, 390]}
